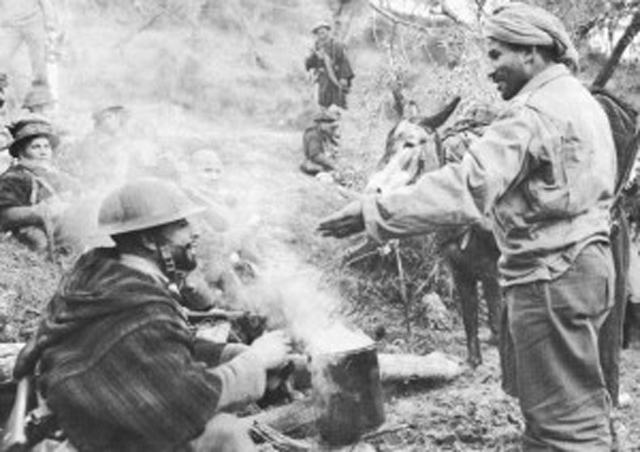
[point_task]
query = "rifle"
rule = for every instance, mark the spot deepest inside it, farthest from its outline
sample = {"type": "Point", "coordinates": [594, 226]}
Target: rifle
{"type": "Point", "coordinates": [15, 436]}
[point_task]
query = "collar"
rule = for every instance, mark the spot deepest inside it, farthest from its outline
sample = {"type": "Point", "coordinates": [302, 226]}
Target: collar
{"type": "Point", "coordinates": [145, 266]}
{"type": "Point", "coordinates": [551, 73]}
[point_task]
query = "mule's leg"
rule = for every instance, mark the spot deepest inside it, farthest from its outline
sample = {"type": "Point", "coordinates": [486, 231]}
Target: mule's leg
{"type": "Point", "coordinates": [493, 297]}
{"type": "Point", "coordinates": [629, 325]}
{"type": "Point", "coordinates": [610, 337]}
{"type": "Point", "coordinates": [466, 286]}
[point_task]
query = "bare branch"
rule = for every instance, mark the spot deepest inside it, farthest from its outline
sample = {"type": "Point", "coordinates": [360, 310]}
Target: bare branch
{"type": "Point", "coordinates": [629, 35]}
{"type": "Point", "coordinates": [392, 17]}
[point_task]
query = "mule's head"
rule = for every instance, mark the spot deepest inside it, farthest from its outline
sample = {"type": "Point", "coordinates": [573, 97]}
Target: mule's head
{"type": "Point", "coordinates": [412, 148]}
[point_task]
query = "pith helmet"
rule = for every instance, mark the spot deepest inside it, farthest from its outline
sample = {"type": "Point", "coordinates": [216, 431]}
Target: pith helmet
{"type": "Point", "coordinates": [31, 128]}
{"type": "Point", "coordinates": [144, 204]}
{"type": "Point", "coordinates": [99, 114]}
{"type": "Point", "coordinates": [321, 24]}
{"type": "Point", "coordinates": [39, 95]}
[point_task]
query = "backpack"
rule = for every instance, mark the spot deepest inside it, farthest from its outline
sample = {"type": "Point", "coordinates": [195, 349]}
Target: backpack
{"type": "Point", "coordinates": [622, 118]}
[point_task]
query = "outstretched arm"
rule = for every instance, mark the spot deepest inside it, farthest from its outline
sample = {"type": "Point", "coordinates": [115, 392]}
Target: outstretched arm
{"type": "Point", "coordinates": [456, 194]}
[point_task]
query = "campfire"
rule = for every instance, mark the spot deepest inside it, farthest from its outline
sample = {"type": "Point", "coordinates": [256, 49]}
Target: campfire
{"type": "Point", "coordinates": [345, 402]}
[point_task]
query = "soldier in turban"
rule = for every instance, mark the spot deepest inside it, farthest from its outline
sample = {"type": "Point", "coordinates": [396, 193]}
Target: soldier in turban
{"type": "Point", "coordinates": [543, 172]}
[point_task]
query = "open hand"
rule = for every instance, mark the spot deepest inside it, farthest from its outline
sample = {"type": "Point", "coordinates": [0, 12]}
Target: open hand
{"type": "Point", "coordinates": [343, 223]}
{"type": "Point", "coordinates": [273, 348]}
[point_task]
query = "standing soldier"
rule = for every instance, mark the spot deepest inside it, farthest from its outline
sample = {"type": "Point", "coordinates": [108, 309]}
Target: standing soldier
{"type": "Point", "coordinates": [544, 172]}
{"type": "Point", "coordinates": [34, 23]}
{"type": "Point", "coordinates": [332, 69]}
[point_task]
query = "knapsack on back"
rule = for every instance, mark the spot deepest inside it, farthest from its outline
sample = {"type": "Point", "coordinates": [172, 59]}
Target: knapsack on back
{"type": "Point", "coordinates": [622, 118]}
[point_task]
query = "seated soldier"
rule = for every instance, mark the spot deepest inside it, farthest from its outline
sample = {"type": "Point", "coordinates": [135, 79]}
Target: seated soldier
{"type": "Point", "coordinates": [319, 141]}
{"type": "Point", "coordinates": [32, 190]}
{"type": "Point", "coordinates": [101, 159]}
{"type": "Point", "coordinates": [118, 363]}
{"type": "Point", "coordinates": [235, 253]}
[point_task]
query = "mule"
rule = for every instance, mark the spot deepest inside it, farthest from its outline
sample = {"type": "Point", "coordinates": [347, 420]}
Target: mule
{"type": "Point", "coordinates": [413, 147]}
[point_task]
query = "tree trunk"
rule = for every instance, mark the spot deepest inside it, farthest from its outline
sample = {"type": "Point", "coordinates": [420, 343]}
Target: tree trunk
{"type": "Point", "coordinates": [8, 354]}
{"type": "Point", "coordinates": [624, 42]}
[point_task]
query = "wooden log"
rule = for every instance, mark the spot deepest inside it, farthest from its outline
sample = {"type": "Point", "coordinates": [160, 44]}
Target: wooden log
{"type": "Point", "coordinates": [265, 434]}
{"type": "Point", "coordinates": [405, 367]}
{"type": "Point", "coordinates": [299, 416]}
{"type": "Point", "coordinates": [8, 354]}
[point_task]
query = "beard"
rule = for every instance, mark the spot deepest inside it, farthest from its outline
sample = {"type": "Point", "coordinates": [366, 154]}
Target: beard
{"type": "Point", "coordinates": [184, 257]}
{"type": "Point", "coordinates": [509, 82]}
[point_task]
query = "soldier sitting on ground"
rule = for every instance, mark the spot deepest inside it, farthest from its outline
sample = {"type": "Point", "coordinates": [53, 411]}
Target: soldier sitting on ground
{"type": "Point", "coordinates": [99, 159]}
{"type": "Point", "coordinates": [117, 362]}
{"type": "Point", "coordinates": [33, 190]}
{"type": "Point", "coordinates": [319, 144]}
{"type": "Point", "coordinates": [232, 254]}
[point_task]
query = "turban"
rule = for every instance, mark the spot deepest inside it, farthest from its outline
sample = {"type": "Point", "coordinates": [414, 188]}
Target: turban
{"type": "Point", "coordinates": [518, 23]}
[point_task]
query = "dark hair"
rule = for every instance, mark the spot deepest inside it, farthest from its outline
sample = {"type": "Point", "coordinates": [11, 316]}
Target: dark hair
{"type": "Point", "coordinates": [22, 145]}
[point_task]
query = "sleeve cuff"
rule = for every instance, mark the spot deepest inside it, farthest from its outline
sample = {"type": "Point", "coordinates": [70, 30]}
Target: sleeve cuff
{"type": "Point", "coordinates": [243, 380]}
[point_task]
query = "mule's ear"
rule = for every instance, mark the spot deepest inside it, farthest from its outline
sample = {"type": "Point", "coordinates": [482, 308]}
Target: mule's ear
{"type": "Point", "coordinates": [435, 121]}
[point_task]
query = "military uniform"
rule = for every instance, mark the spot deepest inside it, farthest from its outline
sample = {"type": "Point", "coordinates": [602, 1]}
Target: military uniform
{"type": "Point", "coordinates": [333, 73]}
{"type": "Point", "coordinates": [318, 146]}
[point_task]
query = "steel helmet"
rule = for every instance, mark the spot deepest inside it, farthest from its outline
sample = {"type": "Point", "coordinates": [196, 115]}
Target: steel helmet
{"type": "Point", "coordinates": [144, 204]}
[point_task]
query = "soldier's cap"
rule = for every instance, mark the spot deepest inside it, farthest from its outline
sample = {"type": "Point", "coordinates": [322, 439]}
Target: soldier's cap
{"type": "Point", "coordinates": [100, 114]}
{"type": "Point", "coordinates": [319, 25]}
{"type": "Point", "coordinates": [326, 117]}
{"type": "Point", "coordinates": [24, 129]}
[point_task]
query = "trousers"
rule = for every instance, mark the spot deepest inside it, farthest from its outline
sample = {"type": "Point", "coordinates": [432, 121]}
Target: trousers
{"type": "Point", "coordinates": [555, 367]}
{"type": "Point", "coordinates": [33, 35]}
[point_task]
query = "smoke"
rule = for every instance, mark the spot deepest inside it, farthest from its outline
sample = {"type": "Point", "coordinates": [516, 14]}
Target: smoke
{"type": "Point", "coordinates": [292, 297]}
{"type": "Point", "coordinates": [182, 79]}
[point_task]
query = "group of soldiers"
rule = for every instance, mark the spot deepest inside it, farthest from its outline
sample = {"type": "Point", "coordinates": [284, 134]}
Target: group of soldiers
{"type": "Point", "coordinates": [115, 361]}
{"type": "Point", "coordinates": [331, 69]}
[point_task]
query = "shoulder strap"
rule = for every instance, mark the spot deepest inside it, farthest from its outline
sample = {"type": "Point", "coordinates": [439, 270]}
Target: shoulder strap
{"type": "Point", "coordinates": [36, 183]}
